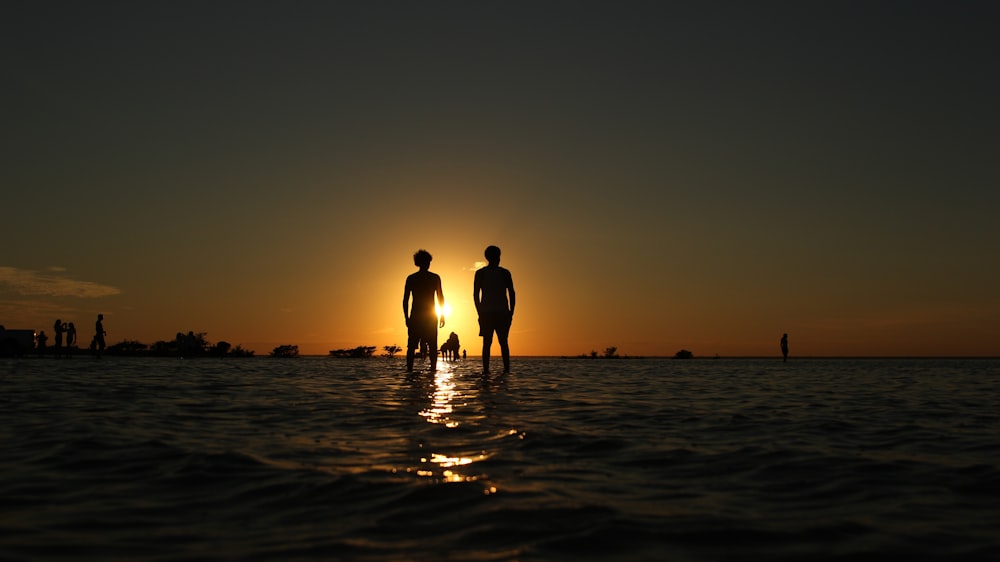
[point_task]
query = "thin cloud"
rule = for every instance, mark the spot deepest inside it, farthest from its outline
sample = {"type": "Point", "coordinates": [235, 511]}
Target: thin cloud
{"type": "Point", "coordinates": [34, 283]}
{"type": "Point", "coordinates": [16, 311]}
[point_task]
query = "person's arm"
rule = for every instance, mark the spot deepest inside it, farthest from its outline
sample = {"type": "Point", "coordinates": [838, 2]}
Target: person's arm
{"type": "Point", "coordinates": [476, 288]}
{"type": "Point", "coordinates": [440, 297]}
{"type": "Point", "coordinates": [406, 303]}
{"type": "Point", "coordinates": [510, 293]}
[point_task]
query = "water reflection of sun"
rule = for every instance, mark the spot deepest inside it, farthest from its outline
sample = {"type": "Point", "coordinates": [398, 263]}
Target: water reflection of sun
{"type": "Point", "coordinates": [447, 463]}
{"type": "Point", "coordinates": [441, 407]}
{"type": "Point", "coordinates": [441, 410]}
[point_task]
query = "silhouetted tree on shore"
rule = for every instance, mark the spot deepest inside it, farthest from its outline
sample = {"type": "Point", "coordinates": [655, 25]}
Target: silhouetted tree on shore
{"type": "Point", "coordinates": [361, 351]}
{"type": "Point", "coordinates": [183, 345]}
{"type": "Point", "coordinates": [127, 348]}
{"type": "Point", "coordinates": [392, 350]}
{"type": "Point", "coordinates": [609, 353]}
{"type": "Point", "coordinates": [285, 351]}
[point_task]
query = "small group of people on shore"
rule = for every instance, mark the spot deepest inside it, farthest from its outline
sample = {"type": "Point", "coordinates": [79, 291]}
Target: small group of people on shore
{"type": "Point", "coordinates": [64, 334]}
{"type": "Point", "coordinates": [492, 293]}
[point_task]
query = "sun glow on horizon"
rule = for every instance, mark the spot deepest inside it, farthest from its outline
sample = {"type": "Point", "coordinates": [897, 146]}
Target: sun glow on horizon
{"type": "Point", "coordinates": [442, 311]}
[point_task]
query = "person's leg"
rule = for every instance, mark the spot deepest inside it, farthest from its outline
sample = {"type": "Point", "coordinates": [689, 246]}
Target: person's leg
{"type": "Point", "coordinates": [505, 353]}
{"type": "Point", "coordinates": [432, 346]}
{"type": "Point", "coordinates": [412, 342]}
{"type": "Point", "coordinates": [502, 334]}
{"type": "Point", "coordinates": [487, 344]}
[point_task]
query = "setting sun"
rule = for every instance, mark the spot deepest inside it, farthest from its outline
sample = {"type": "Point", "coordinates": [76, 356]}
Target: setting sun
{"type": "Point", "coordinates": [442, 311]}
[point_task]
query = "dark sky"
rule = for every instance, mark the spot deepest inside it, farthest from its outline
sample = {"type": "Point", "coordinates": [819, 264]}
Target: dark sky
{"type": "Point", "coordinates": [664, 174]}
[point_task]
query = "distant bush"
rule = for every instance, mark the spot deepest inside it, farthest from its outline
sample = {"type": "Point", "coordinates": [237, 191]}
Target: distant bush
{"type": "Point", "coordinates": [127, 347]}
{"type": "Point", "coordinates": [285, 351]}
{"type": "Point", "coordinates": [609, 353]}
{"type": "Point", "coordinates": [238, 351]}
{"type": "Point", "coordinates": [183, 345]}
{"type": "Point", "coordinates": [358, 352]}
{"type": "Point", "coordinates": [683, 354]}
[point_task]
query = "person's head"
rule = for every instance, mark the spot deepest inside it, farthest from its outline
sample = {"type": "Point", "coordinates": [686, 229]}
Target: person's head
{"type": "Point", "coordinates": [422, 259]}
{"type": "Point", "coordinates": [492, 254]}
{"type": "Point", "coordinates": [100, 317]}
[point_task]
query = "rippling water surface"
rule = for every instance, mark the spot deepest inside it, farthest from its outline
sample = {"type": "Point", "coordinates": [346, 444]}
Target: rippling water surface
{"type": "Point", "coordinates": [563, 459]}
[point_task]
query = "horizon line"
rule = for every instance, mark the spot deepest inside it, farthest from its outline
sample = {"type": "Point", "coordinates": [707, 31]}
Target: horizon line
{"type": "Point", "coordinates": [713, 357]}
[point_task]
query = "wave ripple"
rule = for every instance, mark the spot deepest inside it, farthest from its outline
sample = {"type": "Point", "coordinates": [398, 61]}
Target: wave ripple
{"type": "Point", "coordinates": [563, 459]}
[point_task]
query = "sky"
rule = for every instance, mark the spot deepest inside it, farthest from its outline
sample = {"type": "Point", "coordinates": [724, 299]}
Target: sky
{"type": "Point", "coordinates": [659, 175]}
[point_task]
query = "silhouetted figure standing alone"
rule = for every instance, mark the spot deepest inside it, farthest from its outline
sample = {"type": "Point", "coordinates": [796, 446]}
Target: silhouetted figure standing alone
{"type": "Point", "coordinates": [41, 338]}
{"type": "Point", "coordinates": [99, 333]}
{"type": "Point", "coordinates": [493, 293]}
{"type": "Point", "coordinates": [784, 347]}
{"type": "Point", "coordinates": [422, 320]}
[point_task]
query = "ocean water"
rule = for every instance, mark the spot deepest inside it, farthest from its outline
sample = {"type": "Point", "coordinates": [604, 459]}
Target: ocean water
{"type": "Point", "coordinates": [562, 459]}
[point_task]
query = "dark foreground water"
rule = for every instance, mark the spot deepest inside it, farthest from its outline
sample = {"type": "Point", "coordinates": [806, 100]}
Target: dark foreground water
{"type": "Point", "coordinates": [564, 459]}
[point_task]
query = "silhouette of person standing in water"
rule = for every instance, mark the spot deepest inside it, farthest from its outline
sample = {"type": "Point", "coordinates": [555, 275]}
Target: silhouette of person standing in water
{"type": "Point", "coordinates": [784, 347]}
{"type": "Point", "coordinates": [41, 338]}
{"type": "Point", "coordinates": [70, 336]}
{"type": "Point", "coordinates": [493, 293]}
{"type": "Point", "coordinates": [422, 320]}
{"type": "Point", "coordinates": [99, 333]}
{"type": "Point", "coordinates": [57, 329]}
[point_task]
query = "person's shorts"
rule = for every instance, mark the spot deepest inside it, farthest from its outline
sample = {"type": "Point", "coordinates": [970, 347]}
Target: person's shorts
{"type": "Point", "coordinates": [498, 322]}
{"type": "Point", "coordinates": [422, 329]}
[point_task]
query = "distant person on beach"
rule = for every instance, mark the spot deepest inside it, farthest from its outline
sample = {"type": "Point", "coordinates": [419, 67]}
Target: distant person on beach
{"type": "Point", "coordinates": [99, 333]}
{"type": "Point", "coordinates": [57, 329]}
{"type": "Point", "coordinates": [493, 293]}
{"type": "Point", "coordinates": [422, 320]}
{"type": "Point", "coordinates": [449, 349]}
{"type": "Point", "coordinates": [784, 347]}
{"type": "Point", "coordinates": [70, 335]}
{"type": "Point", "coordinates": [41, 338]}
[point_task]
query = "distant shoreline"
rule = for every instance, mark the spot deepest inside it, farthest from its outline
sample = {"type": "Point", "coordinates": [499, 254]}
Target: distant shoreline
{"type": "Point", "coordinates": [87, 353]}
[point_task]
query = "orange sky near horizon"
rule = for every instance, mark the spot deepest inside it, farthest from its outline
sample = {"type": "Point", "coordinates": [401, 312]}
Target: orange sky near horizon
{"type": "Point", "coordinates": [658, 177]}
